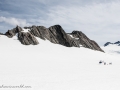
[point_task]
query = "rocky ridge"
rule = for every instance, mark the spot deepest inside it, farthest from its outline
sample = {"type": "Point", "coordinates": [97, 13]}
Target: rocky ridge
{"type": "Point", "coordinates": [109, 43]}
{"type": "Point", "coordinates": [54, 34]}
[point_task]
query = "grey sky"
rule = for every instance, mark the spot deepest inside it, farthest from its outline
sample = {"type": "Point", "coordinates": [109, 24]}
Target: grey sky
{"type": "Point", "coordinates": [98, 19]}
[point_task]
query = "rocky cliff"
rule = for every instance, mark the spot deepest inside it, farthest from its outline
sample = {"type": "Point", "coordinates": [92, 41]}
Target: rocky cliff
{"type": "Point", "coordinates": [54, 34]}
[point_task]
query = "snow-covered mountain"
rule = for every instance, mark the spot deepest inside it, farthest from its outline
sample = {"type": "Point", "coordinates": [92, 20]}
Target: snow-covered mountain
{"type": "Point", "coordinates": [109, 43]}
{"type": "Point", "coordinates": [112, 48]}
{"type": "Point", "coordinates": [54, 34]}
{"type": "Point", "coordinates": [49, 66]}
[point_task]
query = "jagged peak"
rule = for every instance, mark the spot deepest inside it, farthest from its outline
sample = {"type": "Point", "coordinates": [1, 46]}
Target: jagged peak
{"type": "Point", "coordinates": [54, 34]}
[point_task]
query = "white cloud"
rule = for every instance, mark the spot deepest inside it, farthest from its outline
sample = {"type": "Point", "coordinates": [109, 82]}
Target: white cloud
{"type": "Point", "coordinates": [93, 14]}
{"type": "Point", "coordinates": [100, 22]}
{"type": "Point", "coordinates": [98, 19]}
{"type": "Point", "coordinates": [13, 21]}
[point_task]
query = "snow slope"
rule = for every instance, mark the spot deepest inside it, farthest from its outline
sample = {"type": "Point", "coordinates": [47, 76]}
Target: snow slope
{"type": "Point", "coordinates": [49, 66]}
{"type": "Point", "coordinates": [112, 49]}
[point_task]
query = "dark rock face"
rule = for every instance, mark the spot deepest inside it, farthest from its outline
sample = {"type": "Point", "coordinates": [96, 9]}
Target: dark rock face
{"type": "Point", "coordinates": [11, 33]}
{"type": "Point", "coordinates": [27, 38]}
{"type": "Point", "coordinates": [96, 46]}
{"type": "Point", "coordinates": [39, 31]}
{"type": "Point", "coordinates": [54, 34]}
{"type": "Point", "coordinates": [118, 43]}
{"type": "Point", "coordinates": [106, 44]}
{"type": "Point", "coordinates": [58, 35]}
{"type": "Point", "coordinates": [85, 41]}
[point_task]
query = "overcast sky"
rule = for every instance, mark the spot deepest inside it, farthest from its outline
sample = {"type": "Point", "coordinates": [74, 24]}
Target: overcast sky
{"type": "Point", "coordinates": [98, 19]}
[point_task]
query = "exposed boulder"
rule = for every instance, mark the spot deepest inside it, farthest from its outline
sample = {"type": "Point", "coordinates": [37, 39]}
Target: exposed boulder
{"type": "Point", "coordinates": [27, 38]}
{"type": "Point", "coordinates": [11, 33]}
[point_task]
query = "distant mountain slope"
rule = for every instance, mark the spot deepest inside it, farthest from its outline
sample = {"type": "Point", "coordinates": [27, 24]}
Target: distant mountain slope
{"type": "Point", "coordinates": [54, 34]}
{"type": "Point", "coordinates": [112, 49]}
{"type": "Point", "coordinates": [109, 43]}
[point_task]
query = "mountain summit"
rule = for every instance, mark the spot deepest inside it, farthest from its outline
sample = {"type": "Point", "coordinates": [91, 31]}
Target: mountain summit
{"type": "Point", "coordinates": [54, 34]}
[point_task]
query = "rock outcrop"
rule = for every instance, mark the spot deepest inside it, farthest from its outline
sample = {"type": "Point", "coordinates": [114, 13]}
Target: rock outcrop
{"type": "Point", "coordinates": [54, 34]}
{"type": "Point", "coordinates": [27, 38]}
{"type": "Point", "coordinates": [11, 33]}
{"type": "Point", "coordinates": [85, 41]}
